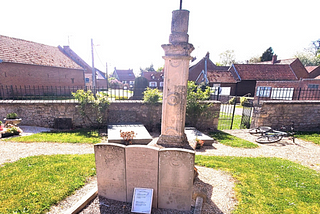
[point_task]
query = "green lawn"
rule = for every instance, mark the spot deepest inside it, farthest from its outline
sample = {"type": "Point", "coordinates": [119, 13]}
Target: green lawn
{"type": "Point", "coordinates": [309, 136]}
{"type": "Point", "coordinates": [225, 121]}
{"type": "Point", "coordinates": [34, 184]}
{"type": "Point", "coordinates": [230, 140]}
{"type": "Point", "coordinates": [269, 185]}
{"type": "Point", "coordinates": [73, 136]}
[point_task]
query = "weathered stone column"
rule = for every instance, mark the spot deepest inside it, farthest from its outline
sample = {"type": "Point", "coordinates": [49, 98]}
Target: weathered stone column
{"type": "Point", "coordinates": [176, 72]}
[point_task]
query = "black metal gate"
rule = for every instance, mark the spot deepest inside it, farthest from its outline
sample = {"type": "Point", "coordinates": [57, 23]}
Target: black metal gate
{"type": "Point", "coordinates": [233, 116]}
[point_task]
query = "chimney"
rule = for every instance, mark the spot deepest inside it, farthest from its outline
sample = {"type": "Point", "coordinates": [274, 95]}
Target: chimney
{"type": "Point", "coordinates": [274, 59]}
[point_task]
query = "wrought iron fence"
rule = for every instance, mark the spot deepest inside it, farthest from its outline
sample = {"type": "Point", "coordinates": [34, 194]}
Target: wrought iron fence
{"type": "Point", "coordinates": [269, 93]}
{"type": "Point", "coordinates": [10, 92]}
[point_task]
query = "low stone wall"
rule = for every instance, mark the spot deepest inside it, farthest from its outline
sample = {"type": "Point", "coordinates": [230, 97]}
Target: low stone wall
{"type": "Point", "coordinates": [304, 114]}
{"type": "Point", "coordinates": [43, 113]}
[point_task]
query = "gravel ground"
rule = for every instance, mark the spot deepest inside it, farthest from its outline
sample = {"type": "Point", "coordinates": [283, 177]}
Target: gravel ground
{"type": "Point", "coordinates": [217, 185]}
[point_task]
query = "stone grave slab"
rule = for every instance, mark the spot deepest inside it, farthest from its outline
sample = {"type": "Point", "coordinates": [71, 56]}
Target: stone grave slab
{"type": "Point", "coordinates": [111, 171]}
{"type": "Point", "coordinates": [176, 172]}
{"type": "Point", "coordinates": [192, 133]}
{"type": "Point", "coordinates": [142, 135]}
{"type": "Point", "coordinates": [142, 170]}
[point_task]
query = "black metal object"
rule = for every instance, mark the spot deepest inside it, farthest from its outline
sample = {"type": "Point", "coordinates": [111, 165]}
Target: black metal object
{"type": "Point", "coordinates": [10, 92]}
{"type": "Point", "coordinates": [180, 4]}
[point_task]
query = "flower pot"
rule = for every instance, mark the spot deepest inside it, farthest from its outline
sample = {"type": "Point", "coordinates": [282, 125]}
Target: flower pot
{"type": "Point", "coordinates": [12, 121]}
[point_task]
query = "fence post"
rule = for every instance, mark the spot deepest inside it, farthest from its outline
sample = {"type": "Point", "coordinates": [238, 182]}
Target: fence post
{"type": "Point", "coordinates": [299, 93]}
{"type": "Point", "coordinates": [234, 105]}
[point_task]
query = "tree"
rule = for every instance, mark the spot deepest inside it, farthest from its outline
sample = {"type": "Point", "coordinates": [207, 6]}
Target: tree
{"type": "Point", "coordinates": [307, 58]}
{"type": "Point", "coordinates": [227, 58]}
{"type": "Point", "coordinates": [160, 69]}
{"type": "Point", "coordinates": [140, 84]}
{"type": "Point", "coordinates": [267, 55]}
{"type": "Point", "coordinates": [254, 59]}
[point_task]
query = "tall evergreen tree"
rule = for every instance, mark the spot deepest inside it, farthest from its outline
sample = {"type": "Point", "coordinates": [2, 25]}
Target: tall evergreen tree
{"type": "Point", "coordinates": [267, 55]}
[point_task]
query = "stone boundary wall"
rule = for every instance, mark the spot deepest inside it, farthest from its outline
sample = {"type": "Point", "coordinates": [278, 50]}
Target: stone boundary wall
{"type": "Point", "coordinates": [43, 113]}
{"type": "Point", "coordinates": [304, 114]}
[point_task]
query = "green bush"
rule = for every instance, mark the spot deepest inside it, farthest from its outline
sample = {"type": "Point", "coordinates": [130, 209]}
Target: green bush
{"type": "Point", "coordinates": [194, 108]}
{"type": "Point", "coordinates": [12, 116]}
{"type": "Point", "coordinates": [92, 105]}
{"type": "Point", "coordinates": [232, 101]}
{"type": "Point", "coordinates": [152, 96]}
{"type": "Point", "coordinates": [244, 101]}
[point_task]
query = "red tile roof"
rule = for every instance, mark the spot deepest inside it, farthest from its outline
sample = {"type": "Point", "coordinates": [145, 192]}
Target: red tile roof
{"type": "Point", "coordinates": [27, 52]}
{"type": "Point", "coordinates": [196, 69]}
{"type": "Point", "coordinates": [311, 68]}
{"type": "Point", "coordinates": [150, 74]}
{"type": "Point", "coordinates": [221, 76]}
{"type": "Point", "coordinates": [124, 75]}
{"type": "Point", "coordinates": [263, 72]}
{"type": "Point", "coordinates": [280, 61]}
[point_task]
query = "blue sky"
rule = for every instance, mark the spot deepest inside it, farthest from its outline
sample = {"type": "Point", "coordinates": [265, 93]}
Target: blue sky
{"type": "Point", "coordinates": [129, 33]}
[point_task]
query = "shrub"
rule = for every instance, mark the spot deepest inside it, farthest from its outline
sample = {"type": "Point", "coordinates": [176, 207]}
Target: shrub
{"type": "Point", "coordinates": [152, 96]}
{"type": "Point", "coordinates": [244, 101]}
{"type": "Point", "coordinates": [194, 108]}
{"type": "Point", "coordinates": [232, 101]}
{"type": "Point", "coordinates": [92, 105]}
{"type": "Point", "coordinates": [12, 116]}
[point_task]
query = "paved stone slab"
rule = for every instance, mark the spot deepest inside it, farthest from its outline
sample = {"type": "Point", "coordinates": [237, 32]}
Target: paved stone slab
{"type": "Point", "coordinates": [192, 133]}
{"type": "Point", "coordinates": [176, 173]}
{"type": "Point", "coordinates": [111, 171]}
{"type": "Point", "coordinates": [142, 135]}
{"type": "Point", "coordinates": [142, 170]}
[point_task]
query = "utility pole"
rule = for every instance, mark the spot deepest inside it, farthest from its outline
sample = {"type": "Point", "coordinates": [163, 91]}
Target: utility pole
{"type": "Point", "coordinates": [107, 76]}
{"type": "Point", "coordinates": [93, 69]}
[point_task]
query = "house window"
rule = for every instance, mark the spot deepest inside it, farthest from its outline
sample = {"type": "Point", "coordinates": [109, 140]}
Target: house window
{"type": "Point", "coordinates": [263, 91]}
{"type": "Point", "coordinates": [313, 86]}
{"type": "Point", "coordinates": [152, 84]}
{"type": "Point", "coordinates": [72, 80]}
{"type": "Point", "coordinates": [87, 80]}
{"type": "Point", "coordinates": [161, 84]}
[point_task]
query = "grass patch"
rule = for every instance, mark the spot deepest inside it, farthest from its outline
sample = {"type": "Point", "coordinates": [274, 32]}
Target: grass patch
{"type": "Point", "coordinates": [309, 136]}
{"type": "Point", "coordinates": [225, 121]}
{"type": "Point", "coordinates": [73, 136]}
{"type": "Point", "coordinates": [34, 184]}
{"type": "Point", "coordinates": [230, 140]}
{"type": "Point", "coordinates": [269, 185]}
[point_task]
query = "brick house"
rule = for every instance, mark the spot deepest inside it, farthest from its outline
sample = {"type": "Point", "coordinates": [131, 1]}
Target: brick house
{"type": "Point", "coordinates": [101, 80]}
{"type": "Point", "coordinates": [25, 63]}
{"type": "Point", "coordinates": [127, 77]}
{"type": "Point", "coordinates": [199, 71]}
{"type": "Point", "coordinates": [249, 79]}
{"type": "Point", "coordinates": [154, 78]}
{"type": "Point", "coordinates": [314, 71]}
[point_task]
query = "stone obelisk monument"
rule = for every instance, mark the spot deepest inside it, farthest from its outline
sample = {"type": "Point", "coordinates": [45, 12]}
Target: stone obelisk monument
{"type": "Point", "coordinates": [176, 72]}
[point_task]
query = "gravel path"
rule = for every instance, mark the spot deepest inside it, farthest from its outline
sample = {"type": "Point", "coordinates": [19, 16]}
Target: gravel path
{"type": "Point", "coordinates": [217, 185]}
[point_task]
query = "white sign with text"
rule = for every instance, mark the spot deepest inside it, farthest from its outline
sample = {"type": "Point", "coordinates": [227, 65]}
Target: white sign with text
{"type": "Point", "coordinates": [142, 200]}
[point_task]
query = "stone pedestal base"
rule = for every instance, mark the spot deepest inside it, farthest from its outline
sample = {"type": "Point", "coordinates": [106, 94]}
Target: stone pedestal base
{"type": "Point", "coordinates": [169, 141]}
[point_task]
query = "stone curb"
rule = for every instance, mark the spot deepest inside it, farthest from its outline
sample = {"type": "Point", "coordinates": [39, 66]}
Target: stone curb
{"type": "Point", "coordinates": [83, 202]}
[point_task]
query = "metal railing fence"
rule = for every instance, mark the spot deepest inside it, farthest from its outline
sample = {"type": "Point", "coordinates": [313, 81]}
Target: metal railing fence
{"type": "Point", "coordinates": [10, 92]}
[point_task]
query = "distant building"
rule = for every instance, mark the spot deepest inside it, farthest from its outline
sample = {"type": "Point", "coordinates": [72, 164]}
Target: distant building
{"type": "Point", "coordinates": [125, 76]}
{"type": "Point", "coordinates": [101, 80]}
{"type": "Point", "coordinates": [25, 63]}
{"type": "Point", "coordinates": [154, 78]}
